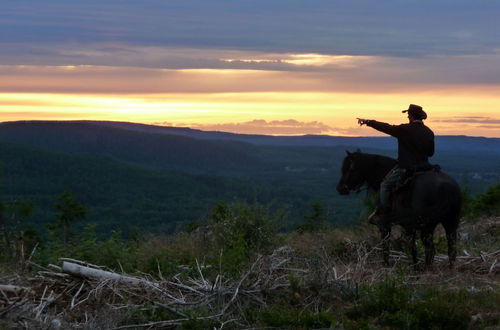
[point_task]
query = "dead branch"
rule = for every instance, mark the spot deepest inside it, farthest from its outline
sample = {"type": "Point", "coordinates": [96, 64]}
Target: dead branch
{"type": "Point", "coordinates": [77, 288]}
{"type": "Point", "coordinates": [13, 289]}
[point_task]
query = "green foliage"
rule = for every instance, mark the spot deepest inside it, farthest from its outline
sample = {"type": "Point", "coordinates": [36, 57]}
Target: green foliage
{"type": "Point", "coordinates": [164, 262]}
{"type": "Point", "coordinates": [240, 231]}
{"type": "Point", "coordinates": [236, 234]}
{"type": "Point", "coordinates": [197, 320]}
{"type": "Point", "coordinates": [117, 194]}
{"type": "Point", "coordinates": [68, 211]}
{"type": "Point", "coordinates": [160, 182]}
{"type": "Point", "coordinates": [289, 317]}
{"type": "Point", "coordinates": [439, 311]}
{"type": "Point", "coordinates": [12, 215]}
{"type": "Point", "coordinates": [388, 296]}
{"type": "Point", "coordinates": [395, 305]}
{"type": "Point", "coordinates": [116, 253]}
{"type": "Point", "coordinates": [467, 200]}
{"type": "Point", "coordinates": [112, 252]}
{"type": "Point", "coordinates": [487, 203]}
{"type": "Point", "coordinates": [316, 220]}
{"type": "Point", "coordinates": [151, 313]}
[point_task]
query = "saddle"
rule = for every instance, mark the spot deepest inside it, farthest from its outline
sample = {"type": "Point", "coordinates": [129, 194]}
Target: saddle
{"type": "Point", "coordinates": [403, 189]}
{"type": "Point", "coordinates": [411, 174]}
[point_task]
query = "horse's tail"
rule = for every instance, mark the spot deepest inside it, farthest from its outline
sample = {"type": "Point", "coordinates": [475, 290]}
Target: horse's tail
{"type": "Point", "coordinates": [448, 210]}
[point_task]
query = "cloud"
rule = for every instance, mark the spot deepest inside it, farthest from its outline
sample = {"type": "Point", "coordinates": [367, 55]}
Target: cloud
{"type": "Point", "coordinates": [117, 54]}
{"type": "Point", "coordinates": [43, 115]}
{"type": "Point", "coordinates": [361, 27]}
{"type": "Point", "coordinates": [471, 120]}
{"type": "Point", "coordinates": [261, 126]}
{"type": "Point", "coordinates": [492, 126]}
{"type": "Point", "coordinates": [175, 70]}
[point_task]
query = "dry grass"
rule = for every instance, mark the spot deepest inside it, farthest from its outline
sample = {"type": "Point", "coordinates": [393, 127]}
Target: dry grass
{"type": "Point", "coordinates": [334, 259]}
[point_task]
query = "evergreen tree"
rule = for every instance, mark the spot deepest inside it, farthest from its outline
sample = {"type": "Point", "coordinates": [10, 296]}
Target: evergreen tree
{"type": "Point", "coordinates": [68, 210]}
{"type": "Point", "coordinates": [315, 220]}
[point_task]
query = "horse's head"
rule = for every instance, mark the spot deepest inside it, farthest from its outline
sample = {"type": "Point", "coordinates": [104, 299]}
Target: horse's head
{"type": "Point", "coordinates": [352, 176]}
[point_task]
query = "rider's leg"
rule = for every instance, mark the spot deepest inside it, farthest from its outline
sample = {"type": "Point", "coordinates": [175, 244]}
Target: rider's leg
{"type": "Point", "coordinates": [386, 188]}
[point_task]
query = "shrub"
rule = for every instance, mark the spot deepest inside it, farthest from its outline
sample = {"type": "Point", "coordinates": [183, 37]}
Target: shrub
{"type": "Point", "coordinates": [289, 317]}
{"type": "Point", "coordinates": [487, 203]}
{"type": "Point", "coordinates": [395, 305]}
{"type": "Point", "coordinates": [314, 221]}
{"type": "Point", "coordinates": [112, 252]}
{"type": "Point", "coordinates": [240, 231]}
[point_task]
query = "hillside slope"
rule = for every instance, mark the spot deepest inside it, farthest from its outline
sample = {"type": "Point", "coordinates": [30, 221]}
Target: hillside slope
{"type": "Point", "coordinates": [147, 149]}
{"type": "Point", "coordinates": [118, 195]}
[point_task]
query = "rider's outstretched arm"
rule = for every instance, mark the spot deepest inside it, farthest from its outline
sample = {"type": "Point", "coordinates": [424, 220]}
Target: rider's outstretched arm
{"type": "Point", "coordinates": [394, 130]}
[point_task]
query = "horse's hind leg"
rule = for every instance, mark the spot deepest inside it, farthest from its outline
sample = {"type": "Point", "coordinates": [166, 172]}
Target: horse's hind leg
{"type": "Point", "coordinates": [410, 235]}
{"type": "Point", "coordinates": [451, 237]}
{"type": "Point", "coordinates": [430, 250]}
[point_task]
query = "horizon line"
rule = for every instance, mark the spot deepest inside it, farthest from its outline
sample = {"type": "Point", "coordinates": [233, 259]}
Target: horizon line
{"type": "Point", "coordinates": [215, 131]}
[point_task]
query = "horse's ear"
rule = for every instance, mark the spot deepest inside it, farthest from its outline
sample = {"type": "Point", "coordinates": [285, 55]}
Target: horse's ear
{"type": "Point", "coordinates": [348, 153]}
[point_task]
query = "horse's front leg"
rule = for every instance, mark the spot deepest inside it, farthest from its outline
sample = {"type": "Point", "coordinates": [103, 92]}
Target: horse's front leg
{"type": "Point", "coordinates": [385, 235]}
{"type": "Point", "coordinates": [430, 250]}
{"type": "Point", "coordinates": [451, 236]}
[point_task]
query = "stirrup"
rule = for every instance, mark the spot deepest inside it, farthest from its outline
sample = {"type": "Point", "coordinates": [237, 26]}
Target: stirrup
{"type": "Point", "coordinates": [378, 215]}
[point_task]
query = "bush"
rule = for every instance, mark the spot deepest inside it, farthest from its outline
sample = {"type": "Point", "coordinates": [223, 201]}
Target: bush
{"type": "Point", "coordinates": [289, 317]}
{"type": "Point", "coordinates": [112, 252]}
{"type": "Point", "coordinates": [240, 231]}
{"type": "Point", "coordinates": [393, 304]}
{"type": "Point", "coordinates": [487, 203]}
{"type": "Point", "coordinates": [314, 221]}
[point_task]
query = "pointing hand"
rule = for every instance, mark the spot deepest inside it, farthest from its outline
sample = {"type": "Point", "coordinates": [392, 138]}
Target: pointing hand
{"type": "Point", "coordinates": [362, 122]}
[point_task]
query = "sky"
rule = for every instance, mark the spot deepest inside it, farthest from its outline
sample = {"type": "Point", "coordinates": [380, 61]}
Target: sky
{"type": "Point", "coordinates": [282, 67]}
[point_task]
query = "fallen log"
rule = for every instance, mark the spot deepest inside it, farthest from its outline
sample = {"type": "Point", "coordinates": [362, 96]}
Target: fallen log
{"type": "Point", "coordinates": [98, 274]}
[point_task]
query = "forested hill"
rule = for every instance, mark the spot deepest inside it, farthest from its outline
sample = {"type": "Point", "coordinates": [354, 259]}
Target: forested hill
{"type": "Point", "coordinates": [147, 176]}
{"type": "Point", "coordinates": [144, 148]}
{"type": "Point", "coordinates": [443, 143]}
{"type": "Point", "coordinates": [117, 195]}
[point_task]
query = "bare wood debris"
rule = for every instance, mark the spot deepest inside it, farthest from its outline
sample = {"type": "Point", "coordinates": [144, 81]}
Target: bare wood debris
{"type": "Point", "coordinates": [71, 296]}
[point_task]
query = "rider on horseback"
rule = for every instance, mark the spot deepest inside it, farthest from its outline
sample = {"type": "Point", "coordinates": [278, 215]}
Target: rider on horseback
{"type": "Point", "coordinates": [415, 145]}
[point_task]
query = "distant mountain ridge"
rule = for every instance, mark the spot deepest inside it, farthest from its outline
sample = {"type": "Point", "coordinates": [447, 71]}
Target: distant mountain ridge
{"type": "Point", "coordinates": [147, 148]}
{"type": "Point", "coordinates": [444, 142]}
{"type": "Point", "coordinates": [169, 175]}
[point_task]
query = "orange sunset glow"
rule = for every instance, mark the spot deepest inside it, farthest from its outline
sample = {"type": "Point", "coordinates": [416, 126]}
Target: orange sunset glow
{"type": "Point", "coordinates": [232, 100]}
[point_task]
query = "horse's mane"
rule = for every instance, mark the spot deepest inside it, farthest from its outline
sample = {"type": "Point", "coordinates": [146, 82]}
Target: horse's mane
{"type": "Point", "coordinates": [381, 157]}
{"type": "Point", "coordinates": [372, 160]}
{"type": "Point", "coordinates": [374, 166]}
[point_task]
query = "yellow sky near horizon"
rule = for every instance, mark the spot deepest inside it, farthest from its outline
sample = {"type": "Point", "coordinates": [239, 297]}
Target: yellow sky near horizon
{"type": "Point", "coordinates": [241, 101]}
{"type": "Point", "coordinates": [449, 114]}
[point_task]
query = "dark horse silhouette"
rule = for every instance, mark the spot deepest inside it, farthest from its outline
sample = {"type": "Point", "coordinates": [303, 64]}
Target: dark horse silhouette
{"type": "Point", "coordinates": [429, 198]}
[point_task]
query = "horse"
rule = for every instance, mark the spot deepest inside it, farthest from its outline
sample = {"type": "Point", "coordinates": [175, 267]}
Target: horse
{"type": "Point", "coordinates": [427, 199]}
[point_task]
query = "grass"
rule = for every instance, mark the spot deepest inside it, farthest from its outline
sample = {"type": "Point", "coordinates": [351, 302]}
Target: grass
{"type": "Point", "coordinates": [326, 278]}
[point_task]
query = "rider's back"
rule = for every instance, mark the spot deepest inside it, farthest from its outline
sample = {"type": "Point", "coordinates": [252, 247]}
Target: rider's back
{"type": "Point", "coordinates": [415, 142]}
